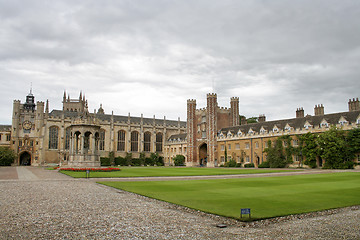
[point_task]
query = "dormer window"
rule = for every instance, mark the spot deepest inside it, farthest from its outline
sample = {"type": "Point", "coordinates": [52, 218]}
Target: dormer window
{"type": "Point", "coordinates": [288, 128]}
{"type": "Point", "coordinates": [358, 121]}
{"type": "Point", "coordinates": [324, 124]}
{"type": "Point", "coordinates": [229, 134]}
{"type": "Point", "coordinates": [251, 132]}
{"type": "Point", "coordinates": [342, 121]}
{"type": "Point", "coordinates": [307, 125]}
{"type": "Point", "coordinates": [239, 133]}
{"type": "Point", "coordinates": [262, 131]}
{"type": "Point", "coordinates": [275, 129]}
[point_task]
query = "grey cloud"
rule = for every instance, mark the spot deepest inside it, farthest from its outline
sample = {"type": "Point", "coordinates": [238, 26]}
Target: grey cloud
{"type": "Point", "coordinates": [276, 55]}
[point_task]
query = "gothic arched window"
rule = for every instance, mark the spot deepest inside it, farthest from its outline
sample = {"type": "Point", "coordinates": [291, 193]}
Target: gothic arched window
{"type": "Point", "coordinates": [159, 139]}
{"type": "Point", "coordinates": [147, 141]}
{"type": "Point", "coordinates": [67, 138]}
{"type": "Point", "coordinates": [121, 140]}
{"type": "Point", "coordinates": [102, 140]}
{"type": "Point", "coordinates": [53, 137]}
{"type": "Point", "coordinates": [134, 141]}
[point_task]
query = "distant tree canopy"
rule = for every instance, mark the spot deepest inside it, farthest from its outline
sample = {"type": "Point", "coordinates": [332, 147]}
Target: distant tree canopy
{"type": "Point", "coordinates": [7, 156]}
{"type": "Point", "coordinates": [179, 160]}
{"type": "Point", "coordinates": [337, 147]}
{"type": "Point", "coordinates": [248, 120]}
{"type": "Point", "coordinates": [279, 153]}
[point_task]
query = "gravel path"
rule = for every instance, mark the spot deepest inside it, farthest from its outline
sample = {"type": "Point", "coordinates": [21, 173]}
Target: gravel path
{"type": "Point", "coordinates": [54, 206]}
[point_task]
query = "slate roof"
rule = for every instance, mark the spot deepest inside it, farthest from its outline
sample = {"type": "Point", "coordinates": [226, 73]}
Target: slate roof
{"type": "Point", "coordinates": [118, 118]}
{"type": "Point", "coordinates": [295, 123]}
{"type": "Point", "coordinates": [5, 128]}
{"type": "Point", "coordinates": [181, 136]}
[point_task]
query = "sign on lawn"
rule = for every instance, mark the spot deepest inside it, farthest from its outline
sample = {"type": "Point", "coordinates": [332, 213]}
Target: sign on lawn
{"type": "Point", "coordinates": [245, 211]}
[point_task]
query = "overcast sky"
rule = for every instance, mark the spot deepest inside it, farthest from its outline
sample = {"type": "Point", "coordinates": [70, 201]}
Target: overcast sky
{"type": "Point", "coordinates": [150, 56]}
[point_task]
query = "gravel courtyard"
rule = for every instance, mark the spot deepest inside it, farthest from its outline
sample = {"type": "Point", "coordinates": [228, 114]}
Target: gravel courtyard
{"type": "Point", "coordinates": [42, 204]}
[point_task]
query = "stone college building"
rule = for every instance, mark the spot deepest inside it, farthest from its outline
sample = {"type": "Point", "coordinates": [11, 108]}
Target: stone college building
{"type": "Point", "coordinates": [75, 137]}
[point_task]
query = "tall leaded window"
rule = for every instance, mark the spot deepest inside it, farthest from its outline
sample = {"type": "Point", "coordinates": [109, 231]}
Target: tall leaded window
{"type": "Point", "coordinates": [134, 141]}
{"type": "Point", "coordinates": [147, 140]}
{"type": "Point", "coordinates": [53, 137]}
{"type": "Point", "coordinates": [102, 140]}
{"type": "Point", "coordinates": [159, 139]}
{"type": "Point", "coordinates": [67, 138]}
{"type": "Point", "coordinates": [121, 140]}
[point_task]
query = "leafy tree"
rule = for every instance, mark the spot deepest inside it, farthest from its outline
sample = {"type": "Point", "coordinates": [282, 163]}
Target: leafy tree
{"type": "Point", "coordinates": [252, 120]}
{"type": "Point", "coordinates": [112, 158]}
{"type": "Point", "coordinates": [308, 148]}
{"type": "Point", "coordinates": [156, 159]}
{"type": "Point", "coordinates": [277, 156]}
{"type": "Point", "coordinates": [334, 148]}
{"type": "Point", "coordinates": [353, 140]}
{"type": "Point", "coordinates": [128, 158]}
{"type": "Point", "coordinates": [142, 158]}
{"type": "Point", "coordinates": [120, 161]}
{"type": "Point", "coordinates": [7, 156]}
{"type": "Point", "coordinates": [289, 149]}
{"type": "Point", "coordinates": [149, 162]}
{"type": "Point", "coordinates": [179, 160]}
{"type": "Point", "coordinates": [230, 163]}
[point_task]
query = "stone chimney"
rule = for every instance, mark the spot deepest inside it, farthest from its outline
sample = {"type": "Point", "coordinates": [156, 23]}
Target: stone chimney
{"type": "Point", "coordinates": [319, 110]}
{"type": "Point", "coordinates": [262, 118]}
{"type": "Point", "coordinates": [300, 113]}
{"type": "Point", "coordinates": [354, 105]}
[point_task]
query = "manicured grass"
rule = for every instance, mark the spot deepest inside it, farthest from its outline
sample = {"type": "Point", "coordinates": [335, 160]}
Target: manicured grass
{"type": "Point", "coordinates": [266, 196]}
{"type": "Point", "coordinates": [169, 171]}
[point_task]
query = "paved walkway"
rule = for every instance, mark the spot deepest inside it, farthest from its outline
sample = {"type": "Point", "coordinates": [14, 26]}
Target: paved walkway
{"type": "Point", "coordinates": [43, 204]}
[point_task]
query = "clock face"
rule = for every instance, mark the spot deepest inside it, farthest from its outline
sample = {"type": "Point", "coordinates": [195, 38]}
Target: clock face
{"type": "Point", "coordinates": [27, 125]}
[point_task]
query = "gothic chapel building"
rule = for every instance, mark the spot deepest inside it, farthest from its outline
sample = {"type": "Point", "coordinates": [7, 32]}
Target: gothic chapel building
{"type": "Point", "coordinates": [42, 137]}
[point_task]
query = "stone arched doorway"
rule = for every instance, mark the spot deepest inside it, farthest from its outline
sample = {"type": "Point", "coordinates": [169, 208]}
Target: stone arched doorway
{"type": "Point", "coordinates": [203, 154]}
{"type": "Point", "coordinates": [25, 159]}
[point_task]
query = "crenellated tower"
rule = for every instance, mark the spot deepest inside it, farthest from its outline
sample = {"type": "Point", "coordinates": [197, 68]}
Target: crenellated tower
{"type": "Point", "coordinates": [234, 111]}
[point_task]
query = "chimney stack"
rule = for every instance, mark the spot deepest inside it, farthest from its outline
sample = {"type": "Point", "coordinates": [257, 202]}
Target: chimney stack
{"type": "Point", "coordinates": [262, 118]}
{"type": "Point", "coordinates": [300, 113]}
{"type": "Point", "coordinates": [319, 110]}
{"type": "Point", "coordinates": [354, 105]}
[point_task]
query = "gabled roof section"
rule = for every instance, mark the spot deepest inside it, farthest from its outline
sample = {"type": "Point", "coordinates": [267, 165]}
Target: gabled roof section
{"type": "Point", "coordinates": [178, 137]}
{"type": "Point", "coordinates": [5, 128]}
{"type": "Point", "coordinates": [298, 123]}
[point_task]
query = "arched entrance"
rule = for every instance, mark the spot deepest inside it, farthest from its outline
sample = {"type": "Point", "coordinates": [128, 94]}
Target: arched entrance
{"type": "Point", "coordinates": [25, 159]}
{"type": "Point", "coordinates": [203, 154]}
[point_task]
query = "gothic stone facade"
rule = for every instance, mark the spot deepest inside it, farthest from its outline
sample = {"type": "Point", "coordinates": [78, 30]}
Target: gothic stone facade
{"type": "Point", "coordinates": [40, 137]}
{"type": "Point", "coordinates": [203, 126]}
{"type": "Point", "coordinates": [246, 143]}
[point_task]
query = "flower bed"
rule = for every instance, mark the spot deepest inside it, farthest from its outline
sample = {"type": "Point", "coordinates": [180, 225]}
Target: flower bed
{"type": "Point", "coordinates": [109, 169]}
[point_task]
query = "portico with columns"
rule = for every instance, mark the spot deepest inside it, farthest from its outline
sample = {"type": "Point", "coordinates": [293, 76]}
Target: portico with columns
{"type": "Point", "coordinates": [84, 143]}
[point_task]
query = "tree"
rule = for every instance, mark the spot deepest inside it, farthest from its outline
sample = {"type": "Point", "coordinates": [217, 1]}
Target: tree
{"type": "Point", "coordinates": [179, 160]}
{"type": "Point", "coordinates": [7, 156]}
{"type": "Point", "coordinates": [252, 120]}
{"type": "Point", "coordinates": [353, 140]}
{"type": "Point", "coordinates": [156, 159]}
{"type": "Point", "coordinates": [308, 148]}
{"type": "Point", "coordinates": [334, 148]}
{"type": "Point", "coordinates": [112, 158]}
{"type": "Point", "coordinates": [279, 156]}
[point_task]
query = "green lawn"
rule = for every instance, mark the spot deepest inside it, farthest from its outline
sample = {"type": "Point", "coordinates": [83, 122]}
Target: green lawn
{"type": "Point", "coordinates": [169, 171]}
{"type": "Point", "coordinates": [266, 196]}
